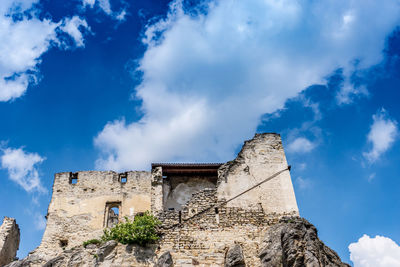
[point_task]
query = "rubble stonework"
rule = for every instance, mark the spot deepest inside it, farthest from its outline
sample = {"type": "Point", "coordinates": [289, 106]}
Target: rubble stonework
{"type": "Point", "coordinates": [78, 209]}
{"type": "Point", "coordinates": [299, 246]}
{"type": "Point", "coordinates": [9, 240]}
{"type": "Point", "coordinates": [259, 158]}
{"type": "Point", "coordinates": [206, 220]}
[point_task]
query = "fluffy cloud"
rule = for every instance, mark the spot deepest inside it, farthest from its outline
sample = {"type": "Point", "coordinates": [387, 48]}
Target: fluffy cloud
{"type": "Point", "coordinates": [105, 6]}
{"type": "Point", "coordinates": [24, 40]}
{"type": "Point", "coordinates": [72, 26]}
{"type": "Point", "coordinates": [300, 145]}
{"type": "Point", "coordinates": [22, 168]}
{"type": "Point", "coordinates": [382, 135]}
{"type": "Point", "coordinates": [375, 252]}
{"type": "Point", "coordinates": [209, 74]}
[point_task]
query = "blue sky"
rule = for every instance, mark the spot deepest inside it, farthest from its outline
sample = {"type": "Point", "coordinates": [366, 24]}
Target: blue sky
{"type": "Point", "coordinates": [117, 84]}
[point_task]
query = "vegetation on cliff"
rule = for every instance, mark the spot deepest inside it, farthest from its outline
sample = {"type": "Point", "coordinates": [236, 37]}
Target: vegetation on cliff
{"type": "Point", "coordinates": [142, 230]}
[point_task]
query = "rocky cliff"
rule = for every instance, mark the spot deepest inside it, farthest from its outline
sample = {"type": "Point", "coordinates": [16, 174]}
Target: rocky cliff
{"type": "Point", "coordinates": [291, 242]}
{"type": "Point", "coordinates": [294, 242]}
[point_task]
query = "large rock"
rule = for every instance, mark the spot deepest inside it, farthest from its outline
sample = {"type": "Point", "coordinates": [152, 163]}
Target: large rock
{"type": "Point", "coordinates": [234, 257]}
{"type": "Point", "coordinates": [9, 240]}
{"type": "Point", "coordinates": [108, 254]}
{"type": "Point", "coordinates": [57, 261]}
{"type": "Point", "coordinates": [33, 259]}
{"type": "Point", "coordinates": [21, 263]}
{"type": "Point", "coordinates": [165, 260]}
{"type": "Point", "coordinates": [294, 242]}
{"type": "Point", "coordinates": [106, 249]}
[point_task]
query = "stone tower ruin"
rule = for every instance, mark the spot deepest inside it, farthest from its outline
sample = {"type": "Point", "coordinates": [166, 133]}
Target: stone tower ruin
{"type": "Point", "coordinates": [199, 205]}
{"type": "Point", "coordinates": [9, 240]}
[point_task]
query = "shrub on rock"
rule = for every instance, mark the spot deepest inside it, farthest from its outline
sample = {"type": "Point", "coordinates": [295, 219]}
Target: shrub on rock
{"type": "Point", "coordinates": [142, 230]}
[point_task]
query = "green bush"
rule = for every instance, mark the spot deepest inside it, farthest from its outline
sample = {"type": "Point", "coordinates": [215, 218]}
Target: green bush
{"type": "Point", "coordinates": [91, 241]}
{"type": "Point", "coordinates": [142, 230]}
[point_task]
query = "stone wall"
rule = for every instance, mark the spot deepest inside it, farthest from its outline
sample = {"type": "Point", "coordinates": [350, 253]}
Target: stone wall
{"type": "Point", "coordinates": [9, 240]}
{"type": "Point", "coordinates": [259, 158]}
{"type": "Point", "coordinates": [229, 220]}
{"type": "Point", "coordinates": [200, 241]}
{"type": "Point", "coordinates": [199, 231]}
{"type": "Point", "coordinates": [80, 201]}
{"type": "Point", "coordinates": [291, 241]}
{"type": "Point", "coordinates": [157, 195]}
{"type": "Point", "coordinates": [178, 190]}
{"type": "Point", "coordinates": [202, 232]}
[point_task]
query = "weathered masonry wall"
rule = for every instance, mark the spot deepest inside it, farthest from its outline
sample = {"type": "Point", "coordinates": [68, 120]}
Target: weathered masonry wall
{"type": "Point", "coordinates": [173, 184]}
{"type": "Point", "coordinates": [212, 214]}
{"type": "Point", "coordinates": [81, 205]}
{"type": "Point", "coordinates": [259, 158]}
{"type": "Point", "coordinates": [9, 240]}
{"type": "Point", "coordinates": [178, 190]}
{"type": "Point", "coordinates": [201, 233]}
{"type": "Point", "coordinates": [198, 225]}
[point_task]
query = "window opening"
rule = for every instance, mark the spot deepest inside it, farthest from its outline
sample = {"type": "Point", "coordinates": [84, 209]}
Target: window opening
{"type": "Point", "coordinates": [123, 178]}
{"type": "Point", "coordinates": [216, 211]}
{"type": "Point", "coordinates": [112, 214]}
{"type": "Point", "coordinates": [73, 178]}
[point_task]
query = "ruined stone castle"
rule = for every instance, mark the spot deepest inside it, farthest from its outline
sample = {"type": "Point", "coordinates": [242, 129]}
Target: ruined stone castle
{"type": "Point", "coordinates": [205, 209]}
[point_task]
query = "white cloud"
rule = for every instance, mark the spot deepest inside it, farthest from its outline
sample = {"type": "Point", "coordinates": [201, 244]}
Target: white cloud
{"type": "Point", "coordinates": [105, 6]}
{"type": "Point", "coordinates": [382, 135]}
{"type": "Point", "coordinates": [88, 2]}
{"type": "Point", "coordinates": [121, 16]}
{"type": "Point", "coordinates": [379, 251]}
{"type": "Point", "coordinates": [39, 221]}
{"type": "Point", "coordinates": [72, 26]}
{"type": "Point", "coordinates": [22, 168]}
{"type": "Point", "coordinates": [347, 92]}
{"type": "Point", "coordinates": [23, 42]}
{"type": "Point", "coordinates": [300, 145]}
{"type": "Point", "coordinates": [208, 78]}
